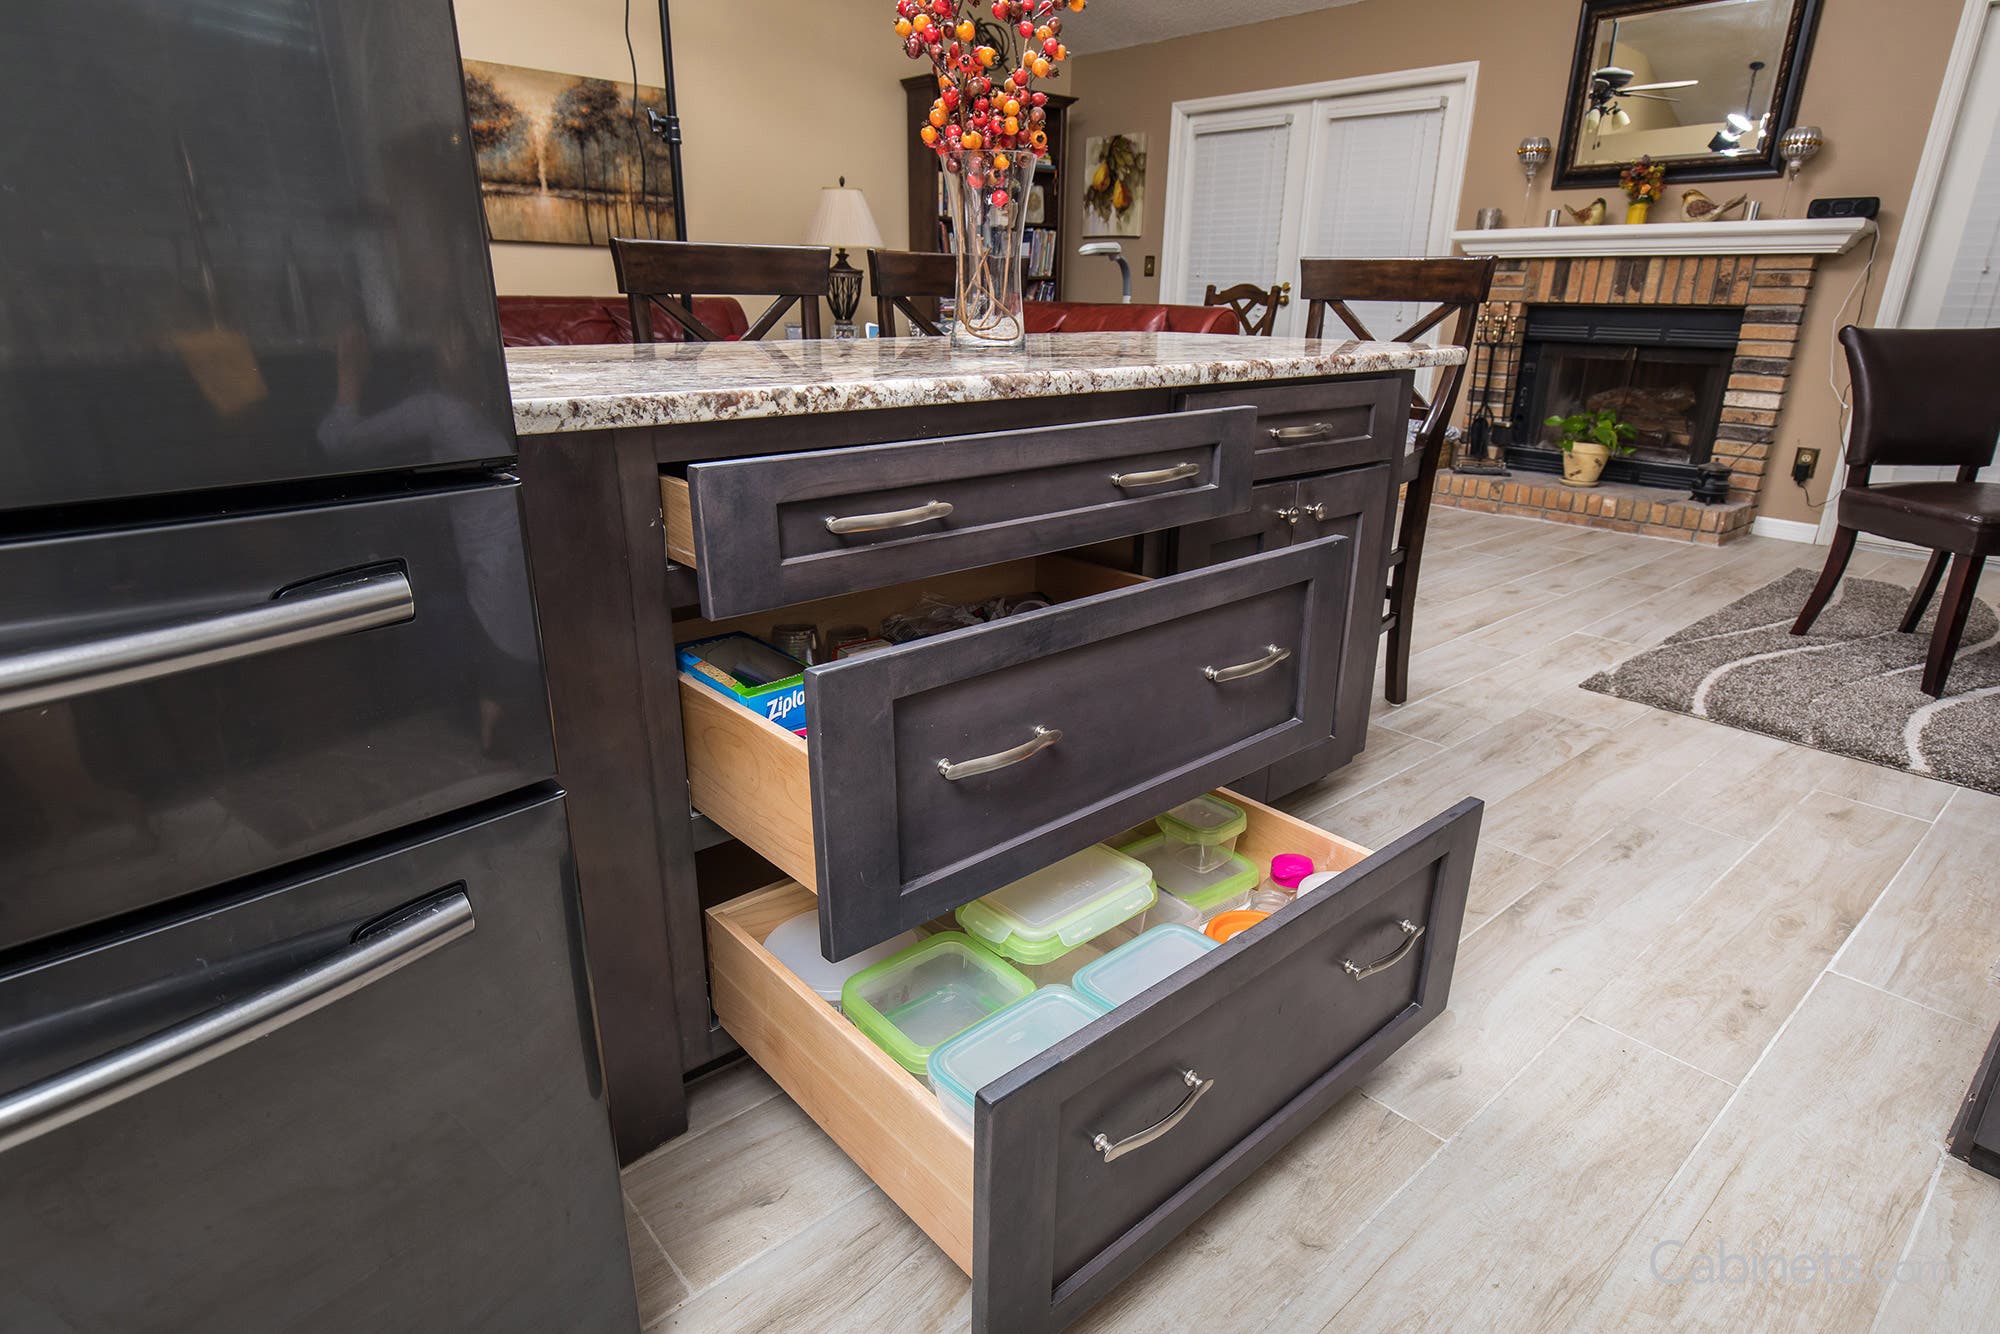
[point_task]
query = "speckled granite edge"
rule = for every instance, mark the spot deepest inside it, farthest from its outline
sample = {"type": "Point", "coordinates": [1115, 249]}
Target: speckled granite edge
{"type": "Point", "coordinates": [584, 389]}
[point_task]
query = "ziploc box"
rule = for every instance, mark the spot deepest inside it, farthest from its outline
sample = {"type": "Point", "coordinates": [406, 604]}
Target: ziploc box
{"type": "Point", "coordinates": [753, 674]}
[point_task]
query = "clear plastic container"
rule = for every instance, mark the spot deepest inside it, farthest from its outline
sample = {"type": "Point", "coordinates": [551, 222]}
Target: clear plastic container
{"type": "Point", "coordinates": [1189, 896]}
{"type": "Point", "coordinates": [1041, 917]}
{"type": "Point", "coordinates": [1008, 1039]}
{"type": "Point", "coordinates": [934, 990]}
{"type": "Point", "coordinates": [1149, 957]}
{"type": "Point", "coordinates": [1206, 828]}
{"type": "Point", "coordinates": [795, 943]}
{"type": "Point", "coordinates": [1281, 886]}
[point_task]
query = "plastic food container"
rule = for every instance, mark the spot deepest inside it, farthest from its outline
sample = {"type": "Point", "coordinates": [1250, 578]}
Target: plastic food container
{"type": "Point", "coordinates": [1229, 924]}
{"type": "Point", "coordinates": [795, 943]}
{"type": "Point", "coordinates": [910, 1002]}
{"type": "Point", "coordinates": [1043, 916]}
{"type": "Point", "coordinates": [993, 1046]}
{"type": "Point", "coordinates": [1206, 828]}
{"type": "Point", "coordinates": [1187, 895]}
{"type": "Point", "coordinates": [1281, 886]}
{"type": "Point", "coordinates": [1148, 957]}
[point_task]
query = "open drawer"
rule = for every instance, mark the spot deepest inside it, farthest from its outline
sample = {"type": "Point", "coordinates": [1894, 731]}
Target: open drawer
{"type": "Point", "coordinates": [784, 528]}
{"type": "Point", "coordinates": [945, 768]}
{"type": "Point", "coordinates": [1086, 1161]}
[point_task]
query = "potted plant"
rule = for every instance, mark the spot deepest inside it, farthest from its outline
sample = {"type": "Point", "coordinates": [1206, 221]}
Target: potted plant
{"type": "Point", "coordinates": [1642, 183]}
{"type": "Point", "coordinates": [1588, 441]}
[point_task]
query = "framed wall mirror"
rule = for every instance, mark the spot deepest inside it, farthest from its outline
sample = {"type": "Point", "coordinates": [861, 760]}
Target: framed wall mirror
{"type": "Point", "coordinates": [1703, 86]}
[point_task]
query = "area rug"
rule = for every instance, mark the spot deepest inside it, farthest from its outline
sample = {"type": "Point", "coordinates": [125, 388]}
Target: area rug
{"type": "Point", "coordinates": [1850, 687]}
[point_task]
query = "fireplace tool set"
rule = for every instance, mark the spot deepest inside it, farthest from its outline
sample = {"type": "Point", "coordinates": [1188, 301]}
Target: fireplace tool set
{"type": "Point", "coordinates": [1496, 338]}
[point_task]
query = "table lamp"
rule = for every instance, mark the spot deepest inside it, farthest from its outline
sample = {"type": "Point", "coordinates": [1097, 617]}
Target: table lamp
{"type": "Point", "coordinates": [842, 221]}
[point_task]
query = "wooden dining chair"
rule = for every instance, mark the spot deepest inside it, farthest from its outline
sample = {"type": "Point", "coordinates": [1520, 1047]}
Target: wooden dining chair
{"type": "Point", "coordinates": [1922, 398]}
{"type": "Point", "coordinates": [1454, 289]}
{"type": "Point", "coordinates": [1246, 300]}
{"type": "Point", "coordinates": [911, 281]}
{"type": "Point", "coordinates": [666, 275]}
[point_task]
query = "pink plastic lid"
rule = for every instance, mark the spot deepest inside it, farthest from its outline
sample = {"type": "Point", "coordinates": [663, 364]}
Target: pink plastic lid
{"type": "Point", "coordinates": [1288, 868]}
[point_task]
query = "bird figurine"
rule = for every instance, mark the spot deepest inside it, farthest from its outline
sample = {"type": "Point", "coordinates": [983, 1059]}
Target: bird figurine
{"type": "Point", "coordinates": [1588, 216]}
{"type": "Point", "coordinates": [1698, 207]}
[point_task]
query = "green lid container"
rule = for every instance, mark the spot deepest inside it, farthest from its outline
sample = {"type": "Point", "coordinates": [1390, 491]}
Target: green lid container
{"type": "Point", "coordinates": [1206, 820]}
{"type": "Point", "coordinates": [936, 989]}
{"type": "Point", "coordinates": [1043, 916]}
{"type": "Point", "coordinates": [1203, 890]}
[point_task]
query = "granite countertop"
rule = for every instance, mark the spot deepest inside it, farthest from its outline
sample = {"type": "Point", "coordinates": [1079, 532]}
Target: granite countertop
{"type": "Point", "coordinates": [664, 384]}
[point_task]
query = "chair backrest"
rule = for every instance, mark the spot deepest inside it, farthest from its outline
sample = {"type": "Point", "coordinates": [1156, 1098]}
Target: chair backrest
{"type": "Point", "coordinates": [904, 278]}
{"type": "Point", "coordinates": [1454, 289]}
{"type": "Point", "coordinates": [1923, 396]}
{"type": "Point", "coordinates": [663, 275]}
{"type": "Point", "coordinates": [1245, 299]}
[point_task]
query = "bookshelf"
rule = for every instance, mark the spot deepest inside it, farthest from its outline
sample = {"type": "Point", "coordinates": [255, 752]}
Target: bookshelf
{"type": "Point", "coordinates": [1045, 246]}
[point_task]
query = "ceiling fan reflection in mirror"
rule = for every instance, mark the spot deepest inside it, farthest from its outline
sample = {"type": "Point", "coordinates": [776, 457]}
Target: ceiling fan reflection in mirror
{"type": "Point", "coordinates": [1611, 83]}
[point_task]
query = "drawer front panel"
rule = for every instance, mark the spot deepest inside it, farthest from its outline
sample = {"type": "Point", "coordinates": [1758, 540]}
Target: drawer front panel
{"type": "Point", "coordinates": [1090, 1158]}
{"type": "Point", "coordinates": [185, 704]}
{"type": "Point", "coordinates": [1314, 427]}
{"type": "Point", "coordinates": [1124, 678]}
{"type": "Point", "coordinates": [772, 531]}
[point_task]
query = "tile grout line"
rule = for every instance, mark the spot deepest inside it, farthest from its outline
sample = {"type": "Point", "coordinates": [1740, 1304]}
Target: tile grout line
{"type": "Point", "coordinates": [654, 1237]}
{"type": "Point", "coordinates": [1897, 995]}
{"type": "Point", "coordinates": [1833, 964]}
{"type": "Point", "coordinates": [689, 1136]}
{"type": "Point", "coordinates": [836, 1206]}
{"type": "Point", "coordinates": [1916, 1227]}
{"type": "Point", "coordinates": [1662, 1051]}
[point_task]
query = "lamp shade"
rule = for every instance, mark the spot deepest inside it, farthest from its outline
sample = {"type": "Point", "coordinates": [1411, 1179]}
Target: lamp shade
{"type": "Point", "coordinates": [842, 220]}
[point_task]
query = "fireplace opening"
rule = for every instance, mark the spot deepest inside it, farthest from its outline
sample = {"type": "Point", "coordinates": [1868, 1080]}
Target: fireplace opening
{"type": "Point", "coordinates": [1664, 371]}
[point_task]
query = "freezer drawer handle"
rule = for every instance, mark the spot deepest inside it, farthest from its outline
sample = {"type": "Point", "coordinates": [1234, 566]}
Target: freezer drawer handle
{"type": "Point", "coordinates": [875, 523]}
{"type": "Point", "coordinates": [1179, 472]}
{"type": "Point", "coordinates": [57, 1101]}
{"type": "Point", "coordinates": [1412, 933]}
{"type": "Point", "coordinates": [1299, 435]}
{"type": "Point", "coordinates": [1043, 738]}
{"type": "Point", "coordinates": [45, 676]}
{"type": "Point", "coordinates": [1113, 1152]}
{"type": "Point", "coordinates": [1273, 655]}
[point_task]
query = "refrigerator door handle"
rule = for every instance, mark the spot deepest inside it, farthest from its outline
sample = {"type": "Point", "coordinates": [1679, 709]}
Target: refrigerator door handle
{"type": "Point", "coordinates": [110, 1079]}
{"type": "Point", "coordinates": [380, 596]}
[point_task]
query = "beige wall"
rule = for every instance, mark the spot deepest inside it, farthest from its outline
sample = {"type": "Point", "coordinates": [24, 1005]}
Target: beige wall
{"type": "Point", "coordinates": [1871, 86]}
{"type": "Point", "coordinates": [776, 98]}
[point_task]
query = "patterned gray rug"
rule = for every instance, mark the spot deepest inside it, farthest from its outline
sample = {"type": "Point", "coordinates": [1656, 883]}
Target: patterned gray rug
{"type": "Point", "coordinates": [1849, 687]}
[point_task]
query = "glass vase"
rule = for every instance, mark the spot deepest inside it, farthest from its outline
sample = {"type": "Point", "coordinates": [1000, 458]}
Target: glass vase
{"type": "Point", "coordinates": [987, 191]}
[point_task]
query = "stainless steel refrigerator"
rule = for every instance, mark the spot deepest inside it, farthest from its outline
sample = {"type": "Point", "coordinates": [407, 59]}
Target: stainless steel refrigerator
{"type": "Point", "coordinates": [294, 1028]}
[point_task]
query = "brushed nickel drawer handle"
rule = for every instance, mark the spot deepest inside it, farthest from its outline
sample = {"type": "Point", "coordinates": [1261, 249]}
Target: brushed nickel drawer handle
{"type": "Point", "coordinates": [1300, 435]}
{"type": "Point", "coordinates": [875, 523]}
{"type": "Point", "coordinates": [1412, 933]}
{"type": "Point", "coordinates": [1113, 1152]}
{"type": "Point", "coordinates": [1273, 655]}
{"type": "Point", "coordinates": [1177, 473]}
{"type": "Point", "coordinates": [1043, 738]}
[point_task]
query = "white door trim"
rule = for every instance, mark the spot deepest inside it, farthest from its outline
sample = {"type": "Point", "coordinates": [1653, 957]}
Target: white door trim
{"type": "Point", "coordinates": [1457, 84]}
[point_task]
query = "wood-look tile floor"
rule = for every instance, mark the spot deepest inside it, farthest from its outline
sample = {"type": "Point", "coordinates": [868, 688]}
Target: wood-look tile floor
{"type": "Point", "coordinates": [1717, 1002]}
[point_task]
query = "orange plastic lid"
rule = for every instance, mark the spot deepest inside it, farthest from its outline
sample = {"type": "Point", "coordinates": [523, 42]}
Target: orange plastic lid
{"type": "Point", "coordinates": [1224, 925]}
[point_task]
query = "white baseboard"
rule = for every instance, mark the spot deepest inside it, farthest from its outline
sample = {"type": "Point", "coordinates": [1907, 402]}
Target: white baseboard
{"type": "Point", "coordinates": [1786, 530]}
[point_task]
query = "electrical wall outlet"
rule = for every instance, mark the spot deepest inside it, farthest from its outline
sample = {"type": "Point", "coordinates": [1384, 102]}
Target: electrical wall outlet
{"type": "Point", "coordinates": [1804, 464]}
{"type": "Point", "coordinates": [1149, 266]}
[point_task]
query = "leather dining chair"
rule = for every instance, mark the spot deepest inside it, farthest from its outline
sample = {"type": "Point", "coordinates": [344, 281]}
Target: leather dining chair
{"type": "Point", "coordinates": [664, 275]}
{"type": "Point", "coordinates": [1454, 289]}
{"type": "Point", "coordinates": [1922, 398]}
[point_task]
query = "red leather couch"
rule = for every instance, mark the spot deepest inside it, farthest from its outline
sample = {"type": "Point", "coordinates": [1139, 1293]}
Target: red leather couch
{"type": "Point", "coordinates": [567, 321]}
{"type": "Point", "coordinates": [1103, 317]}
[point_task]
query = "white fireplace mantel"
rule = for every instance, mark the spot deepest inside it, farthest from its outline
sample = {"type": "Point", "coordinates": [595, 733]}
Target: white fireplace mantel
{"type": "Point", "coordinates": [1773, 236]}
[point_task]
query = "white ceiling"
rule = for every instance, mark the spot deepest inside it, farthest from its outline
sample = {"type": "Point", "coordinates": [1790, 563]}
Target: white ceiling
{"type": "Point", "coordinates": [1109, 24]}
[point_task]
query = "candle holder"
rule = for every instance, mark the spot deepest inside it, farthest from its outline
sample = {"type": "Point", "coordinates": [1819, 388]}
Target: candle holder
{"type": "Point", "coordinates": [1534, 151]}
{"type": "Point", "coordinates": [1797, 146]}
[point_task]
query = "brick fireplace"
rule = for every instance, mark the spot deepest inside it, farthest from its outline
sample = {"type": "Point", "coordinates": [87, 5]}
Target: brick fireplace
{"type": "Point", "coordinates": [1746, 307]}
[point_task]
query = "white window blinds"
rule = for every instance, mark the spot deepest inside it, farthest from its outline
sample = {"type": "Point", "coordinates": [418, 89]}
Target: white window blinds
{"type": "Point", "coordinates": [1238, 207]}
{"type": "Point", "coordinates": [1377, 179]}
{"type": "Point", "coordinates": [1971, 298]}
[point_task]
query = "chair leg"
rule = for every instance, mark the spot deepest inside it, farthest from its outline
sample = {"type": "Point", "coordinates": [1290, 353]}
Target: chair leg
{"type": "Point", "coordinates": [1829, 578]}
{"type": "Point", "coordinates": [1926, 589]}
{"type": "Point", "coordinates": [1958, 591]}
{"type": "Point", "coordinates": [1403, 595]}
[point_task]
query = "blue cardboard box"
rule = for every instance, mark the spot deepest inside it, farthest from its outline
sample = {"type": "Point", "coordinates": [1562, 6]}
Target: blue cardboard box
{"type": "Point", "coordinates": [743, 667]}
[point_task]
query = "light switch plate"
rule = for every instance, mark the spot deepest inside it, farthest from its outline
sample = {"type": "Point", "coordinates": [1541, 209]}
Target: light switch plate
{"type": "Point", "coordinates": [1149, 266]}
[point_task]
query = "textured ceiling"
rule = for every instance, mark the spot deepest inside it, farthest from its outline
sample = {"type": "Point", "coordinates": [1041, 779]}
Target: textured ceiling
{"type": "Point", "coordinates": [1109, 24]}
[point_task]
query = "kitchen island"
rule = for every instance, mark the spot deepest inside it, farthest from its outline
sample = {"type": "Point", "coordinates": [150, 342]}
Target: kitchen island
{"type": "Point", "coordinates": [789, 479]}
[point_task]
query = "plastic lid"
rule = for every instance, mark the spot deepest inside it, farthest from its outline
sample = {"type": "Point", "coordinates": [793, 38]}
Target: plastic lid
{"type": "Point", "coordinates": [1208, 820]}
{"type": "Point", "coordinates": [1200, 890]}
{"type": "Point", "coordinates": [1315, 880]}
{"type": "Point", "coordinates": [1229, 924]}
{"type": "Point", "coordinates": [1288, 868]}
{"type": "Point", "coordinates": [795, 943]}
{"type": "Point", "coordinates": [1141, 961]}
{"type": "Point", "coordinates": [1010, 1038]}
{"type": "Point", "coordinates": [1041, 916]}
{"type": "Point", "coordinates": [934, 990]}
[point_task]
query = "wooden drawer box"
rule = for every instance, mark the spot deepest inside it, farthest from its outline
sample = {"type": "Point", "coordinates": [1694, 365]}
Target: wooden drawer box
{"type": "Point", "coordinates": [785, 528]}
{"type": "Point", "coordinates": [1049, 1204]}
{"type": "Point", "coordinates": [945, 768]}
{"type": "Point", "coordinates": [1316, 427]}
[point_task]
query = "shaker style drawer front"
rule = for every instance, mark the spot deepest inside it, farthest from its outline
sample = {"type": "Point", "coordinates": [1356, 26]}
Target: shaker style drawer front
{"type": "Point", "coordinates": [186, 704]}
{"type": "Point", "coordinates": [1314, 427]}
{"type": "Point", "coordinates": [768, 532]}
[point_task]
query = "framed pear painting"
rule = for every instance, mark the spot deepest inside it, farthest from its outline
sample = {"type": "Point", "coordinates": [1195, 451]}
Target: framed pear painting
{"type": "Point", "coordinates": [1114, 185]}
